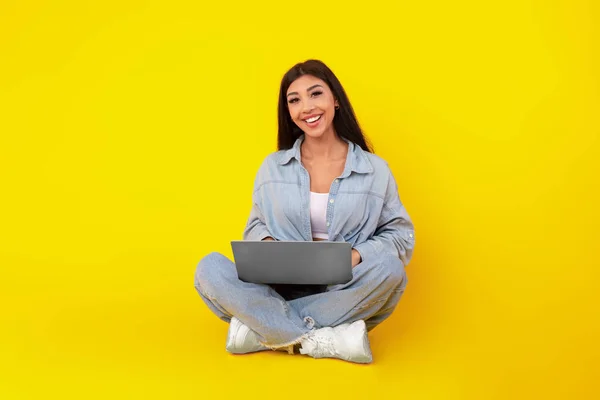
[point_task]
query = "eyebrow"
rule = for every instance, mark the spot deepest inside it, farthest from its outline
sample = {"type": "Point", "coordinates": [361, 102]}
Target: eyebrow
{"type": "Point", "coordinates": [308, 90]}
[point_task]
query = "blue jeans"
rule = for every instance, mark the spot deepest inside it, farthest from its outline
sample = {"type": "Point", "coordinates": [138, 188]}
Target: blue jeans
{"type": "Point", "coordinates": [281, 320]}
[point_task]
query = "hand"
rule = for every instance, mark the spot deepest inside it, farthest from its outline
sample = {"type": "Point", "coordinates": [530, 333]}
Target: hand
{"type": "Point", "coordinates": [269, 239]}
{"type": "Point", "coordinates": [356, 259]}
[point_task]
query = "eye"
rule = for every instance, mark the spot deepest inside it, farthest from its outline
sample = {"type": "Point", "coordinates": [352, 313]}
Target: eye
{"type": "Point", "coordinates": [293, 100]}
{"type": "Point", "coordinates": [316, 93]}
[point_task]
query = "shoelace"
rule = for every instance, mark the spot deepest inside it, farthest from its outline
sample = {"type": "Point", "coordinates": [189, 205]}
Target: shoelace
{"type": "Point", "coordinates": [323, 346]}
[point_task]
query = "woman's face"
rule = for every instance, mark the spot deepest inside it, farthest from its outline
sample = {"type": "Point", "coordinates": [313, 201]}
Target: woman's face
{"type": "Point", "coordinates": [311, 105]}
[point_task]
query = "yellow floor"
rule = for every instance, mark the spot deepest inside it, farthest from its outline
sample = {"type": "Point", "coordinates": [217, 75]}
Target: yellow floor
{"type": "Point", "coordinates": [103, 332]}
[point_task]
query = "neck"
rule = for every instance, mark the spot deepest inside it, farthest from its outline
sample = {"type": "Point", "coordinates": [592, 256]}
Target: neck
{"type": "Point", "coordinates": [329, 146]}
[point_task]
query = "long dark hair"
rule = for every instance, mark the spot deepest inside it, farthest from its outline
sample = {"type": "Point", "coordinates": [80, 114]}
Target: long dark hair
{"type": "Point", "coordinates": [344, 121]}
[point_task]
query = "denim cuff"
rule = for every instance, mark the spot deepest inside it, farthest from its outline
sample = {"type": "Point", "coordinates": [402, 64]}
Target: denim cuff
{"type": "Point", "coordinates": [366, 250]}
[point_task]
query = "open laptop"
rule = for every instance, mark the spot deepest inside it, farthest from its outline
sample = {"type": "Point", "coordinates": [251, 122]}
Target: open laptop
{"type": "Point", "coordinates": [293, 262]}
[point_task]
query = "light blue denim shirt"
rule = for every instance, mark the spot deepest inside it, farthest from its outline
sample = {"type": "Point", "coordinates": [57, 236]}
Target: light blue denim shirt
{"type": "Point", "coordinates": [363, 209]}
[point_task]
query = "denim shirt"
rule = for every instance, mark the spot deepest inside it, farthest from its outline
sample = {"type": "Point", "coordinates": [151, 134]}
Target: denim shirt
{"type": "Point", "coordinates": [363, 208]}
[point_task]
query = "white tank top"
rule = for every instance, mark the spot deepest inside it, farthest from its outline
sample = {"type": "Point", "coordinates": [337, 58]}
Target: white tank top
{"type": "Point", "coordinates": [318, 213]}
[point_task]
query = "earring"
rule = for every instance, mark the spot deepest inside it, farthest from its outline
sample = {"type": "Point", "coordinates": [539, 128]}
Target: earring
{"type": "Point", "coordinates": [337, 107]}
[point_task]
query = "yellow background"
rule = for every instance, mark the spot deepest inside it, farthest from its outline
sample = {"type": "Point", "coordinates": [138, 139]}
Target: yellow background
{"type": "Point", "coordinates": [130, 133]}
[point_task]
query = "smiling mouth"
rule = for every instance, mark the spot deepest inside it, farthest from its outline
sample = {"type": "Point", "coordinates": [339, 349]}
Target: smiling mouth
{"type": "Point", "coordinates": [313, 119]}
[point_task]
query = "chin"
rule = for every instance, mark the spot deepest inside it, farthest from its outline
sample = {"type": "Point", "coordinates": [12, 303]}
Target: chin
{"type": "Point", "coordinates": [317, 133]}
{"type": "Point", "coordinates": [314, 135]}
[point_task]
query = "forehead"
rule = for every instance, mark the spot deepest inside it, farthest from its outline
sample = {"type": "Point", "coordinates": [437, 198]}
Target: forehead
{"type": "Point", "coordinates": [304, 82]}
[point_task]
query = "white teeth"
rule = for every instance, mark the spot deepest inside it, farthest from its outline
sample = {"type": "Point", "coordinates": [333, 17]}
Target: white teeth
{"type": "Point", "coordinates": [313, 119]}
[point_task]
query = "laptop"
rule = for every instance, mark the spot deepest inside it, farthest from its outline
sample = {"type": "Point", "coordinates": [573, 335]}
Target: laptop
{"type": "Point", "coordinates": [293, 262]}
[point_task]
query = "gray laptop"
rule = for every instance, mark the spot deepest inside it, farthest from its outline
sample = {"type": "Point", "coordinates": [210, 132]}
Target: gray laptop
{"type": "Point", "coordinates": [293, 262]}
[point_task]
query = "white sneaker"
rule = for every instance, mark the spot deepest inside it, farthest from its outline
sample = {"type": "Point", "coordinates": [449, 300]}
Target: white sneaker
{"type": "Point", "coordinates": [242, 340]}
{"type": "Point", "coordinates": [348, 342]}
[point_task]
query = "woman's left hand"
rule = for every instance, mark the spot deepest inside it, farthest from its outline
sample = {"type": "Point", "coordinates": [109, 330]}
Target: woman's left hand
{"type": "Point", "coordinates": [355, 258]}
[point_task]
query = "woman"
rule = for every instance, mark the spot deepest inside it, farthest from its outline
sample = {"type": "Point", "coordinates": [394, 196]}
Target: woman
{"type": "Point", "coordinates": [324, 183]}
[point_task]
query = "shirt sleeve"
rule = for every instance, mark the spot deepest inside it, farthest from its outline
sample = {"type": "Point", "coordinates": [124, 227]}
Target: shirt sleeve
{"type": "Point", "coordinates": [256, 229]}
{"type": "Point", "coordinates": [395, 233]}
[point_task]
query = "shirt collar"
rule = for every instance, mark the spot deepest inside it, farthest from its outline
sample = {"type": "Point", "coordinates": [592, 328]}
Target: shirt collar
{"type": "Point", "coordinates": [356, 160]}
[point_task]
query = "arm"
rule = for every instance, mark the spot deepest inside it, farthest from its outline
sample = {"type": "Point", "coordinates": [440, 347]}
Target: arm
{"type": "Point", "coordinates": [395, 230]}
{"type": "Point", "coordinates": [255, 227]}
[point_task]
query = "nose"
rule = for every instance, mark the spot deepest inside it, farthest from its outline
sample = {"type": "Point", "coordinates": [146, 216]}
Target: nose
{"type": "Point", "coordinates": [307, 107]}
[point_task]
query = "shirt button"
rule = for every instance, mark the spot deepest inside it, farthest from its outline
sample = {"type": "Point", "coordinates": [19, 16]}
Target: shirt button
{"type": "Point", "coordinates": [328, 224]}
{"type": "Point", "coordinates": [337, 180]}
{"type": "Point", "coordinates": [410, 235]}
{"type": "Point", "coordinates": [331, 201]}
